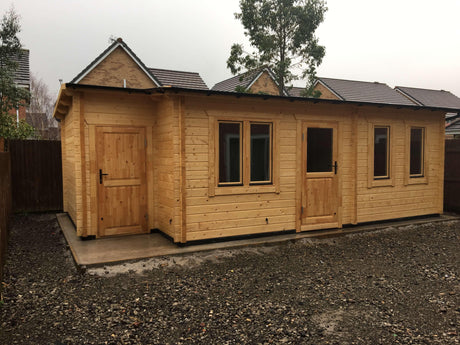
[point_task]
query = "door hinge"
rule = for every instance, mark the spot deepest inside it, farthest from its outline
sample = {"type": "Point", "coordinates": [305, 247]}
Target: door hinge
{"type": "Point", "coordinates": [302, 136]}
{"type": "Point", "coordinates": [146, 216]}
{"type": "Point", "coordinates": [301, 210]}
{"type": "Point", "coordinates": [145, 142]}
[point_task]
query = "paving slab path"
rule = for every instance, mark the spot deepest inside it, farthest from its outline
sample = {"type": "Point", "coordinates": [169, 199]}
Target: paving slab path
{"type": "Point", "coordinates": [392, 286]}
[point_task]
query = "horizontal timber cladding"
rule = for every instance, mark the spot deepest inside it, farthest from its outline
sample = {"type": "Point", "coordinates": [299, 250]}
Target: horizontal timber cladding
{"type": "Point", "coordinates": [184, 198]}
{"type": "Point", "coordinates": [114, 110]}
{"type": "Point", "coordinates": [405, 196]}
{"type": "Point", "coordinates": [69, 131]}
{"type": "Point", "coordinates": [213, 212]}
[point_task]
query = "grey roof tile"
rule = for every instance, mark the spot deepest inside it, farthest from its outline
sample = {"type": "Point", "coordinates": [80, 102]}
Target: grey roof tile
{"type": "Point", "coordinates": [361, 91]}
{"type": "Point", "coordinates": [296, 91]}
{"type": "Point", "coordinates": [431, 98]}
{"type": "Point", "coordinates": [187, 80]}
{"type": "Point", "coordinates": [22, 74]}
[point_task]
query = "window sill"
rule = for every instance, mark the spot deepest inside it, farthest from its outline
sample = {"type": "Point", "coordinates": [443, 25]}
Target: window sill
{"type": "Point", "coordinates": [416, 180]}
{"type": "Point", "coordinates": [245, 190]}
{"type": "Point", "coordinates": [388, 182]}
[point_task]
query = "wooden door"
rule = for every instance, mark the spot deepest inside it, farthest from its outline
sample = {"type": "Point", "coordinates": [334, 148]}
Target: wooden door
{"type": "Point", "coordinates": [320, 170]}
{"type": "Point", "coordinates": [121, 174]}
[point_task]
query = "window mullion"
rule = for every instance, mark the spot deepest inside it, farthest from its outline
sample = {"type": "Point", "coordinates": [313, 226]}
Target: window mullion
{"type": "Point", "coordinates": [246, 146]}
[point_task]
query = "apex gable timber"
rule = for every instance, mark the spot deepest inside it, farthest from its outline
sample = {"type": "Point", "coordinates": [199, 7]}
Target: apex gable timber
{"type": "Point", "coordinates": [117, 66]}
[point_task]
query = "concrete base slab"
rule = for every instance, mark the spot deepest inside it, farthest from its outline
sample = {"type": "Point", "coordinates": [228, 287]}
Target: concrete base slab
{"type": "Point", "coordinates": [136, 247]}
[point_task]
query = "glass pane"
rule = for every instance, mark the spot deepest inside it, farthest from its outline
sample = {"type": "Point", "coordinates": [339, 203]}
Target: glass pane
{"type": "Point", "coordinates": [380, 152]}
{"type": "Point", "coordinates": [319, 149]}
{"type": "Point", "coordinates": [229, 152]}
{"type": "Point", "coordinates": [416, 151]}
{"type": "Point", "coordinates": [260, 152]}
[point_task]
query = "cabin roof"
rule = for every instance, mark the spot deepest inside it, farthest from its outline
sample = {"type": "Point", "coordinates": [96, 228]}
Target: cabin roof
{"type": "Point", "coordinates": [427, 97]}
{"type": "Point", "coordinates": [177, 90]}
{"type": "Point", "coordinates": [362, 91]}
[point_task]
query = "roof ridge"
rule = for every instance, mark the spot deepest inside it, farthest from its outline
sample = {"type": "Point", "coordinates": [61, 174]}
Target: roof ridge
{"type": "Point", "coordinates": [355, 81]}
{"type": "Point", "coordinates": [171, 70]}
{"type": "Point", "coordinates": [424, 89]}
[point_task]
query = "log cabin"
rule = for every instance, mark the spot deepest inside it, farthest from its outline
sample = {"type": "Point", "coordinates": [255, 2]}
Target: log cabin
{"type": "Point", "coordinates": [147, 149]}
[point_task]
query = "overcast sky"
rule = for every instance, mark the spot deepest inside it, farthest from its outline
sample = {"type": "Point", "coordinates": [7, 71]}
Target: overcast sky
{"type": "Point", "coordinates": [398, 42]}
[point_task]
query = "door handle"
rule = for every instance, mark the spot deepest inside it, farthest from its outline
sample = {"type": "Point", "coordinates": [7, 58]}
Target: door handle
{"type": "Point", "coordinates": [335, 167]}
{"type": "Point", "coordinates": [100, 176]}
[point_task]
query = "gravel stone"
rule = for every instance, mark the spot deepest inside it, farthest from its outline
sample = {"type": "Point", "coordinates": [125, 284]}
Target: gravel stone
{"type": "Point", "coordinates": [393, 286]}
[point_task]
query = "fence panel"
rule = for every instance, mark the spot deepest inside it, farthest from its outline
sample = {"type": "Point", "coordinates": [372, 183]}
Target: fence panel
{"type": "Point", "coordinates": [36, 175]}
{"type": "Point", "coordinates": [452, 176]}
{"type": "Point", "coordinates": [5, 205]}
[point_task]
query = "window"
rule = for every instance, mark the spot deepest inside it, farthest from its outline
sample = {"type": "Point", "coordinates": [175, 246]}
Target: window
{"type": "Point", "coordinates": [381, 152]}
{"type": "Point", "coordinates": [319, 149]}
{"type": "Point", "coordinates": [230, 152]}
{"type": "Point", "coordinates": [381, 157]}
{"type": "Point", "coordinates": [261, 151]}
{"type": "Point", "coordinates": [416, 156]}
{"type": "Point", "coordinates": [244, 139]}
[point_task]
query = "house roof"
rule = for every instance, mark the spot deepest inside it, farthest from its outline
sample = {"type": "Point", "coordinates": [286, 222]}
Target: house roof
{"type": "Point", "coordinates": [117, 43]}
{"type": "Point", "coordinates": [433, 98]}
{"type": "Point", "coordinates": [244, 80]}
{"type": "Point", "coordinates": [22, 73]}
{"type": "Point", "coordinates": [296, 91]}
{"type": "Point", "coordinates": [453, 127]}
{"type": "Point", "coordinates": [160, 77]}
{"type": "Point", "coordinates": [190, 80]}
{"type": "Point", "coordinates": [362, 91]}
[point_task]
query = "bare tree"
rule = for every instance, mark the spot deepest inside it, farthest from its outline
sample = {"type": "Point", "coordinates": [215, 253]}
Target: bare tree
{"type": "Point", "coordinates": [41, 106]}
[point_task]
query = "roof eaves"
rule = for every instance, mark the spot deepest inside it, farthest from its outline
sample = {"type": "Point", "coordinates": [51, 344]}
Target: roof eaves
{"type": "Point", "coordinates": [253, 95]}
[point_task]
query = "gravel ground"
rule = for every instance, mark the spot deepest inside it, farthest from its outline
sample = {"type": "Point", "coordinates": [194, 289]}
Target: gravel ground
{"type": "Point", "coordinates": [394, 286]}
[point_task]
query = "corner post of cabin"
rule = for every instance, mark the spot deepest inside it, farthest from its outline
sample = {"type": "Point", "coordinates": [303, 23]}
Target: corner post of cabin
{"type": "Point", "coordinates": [80, 164]}
{"type": "Point", "coordinates": [442, 143]}
{"type": "Point", "coordinates": [299, 176]}
{"type": "Point", "coordinates": [354, 164]}
{"type": "Point", "coordinates": [182, 171]}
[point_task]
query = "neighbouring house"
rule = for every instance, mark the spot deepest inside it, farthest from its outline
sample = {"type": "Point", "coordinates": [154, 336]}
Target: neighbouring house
{"type": "Point", "coordinates": [453, 128]}
{"type": "Point", "coordinates": [21, 79]}
{"type": "Point", "coordinates": [144, 150]}
{"type": "Point", "coordinates": [358, 91]}
{"type": "Point", "coordinates": [436, 98]}
{"type": "Point", "coordinates": [259, 81]}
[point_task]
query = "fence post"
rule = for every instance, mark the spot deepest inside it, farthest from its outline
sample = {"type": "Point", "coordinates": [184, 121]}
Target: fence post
{"type": "Point", "coordinates": [5, 205]}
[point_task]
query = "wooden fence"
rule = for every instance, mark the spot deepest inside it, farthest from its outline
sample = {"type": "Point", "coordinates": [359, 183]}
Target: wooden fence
{"type": "Point", "coordinates": [5, 205]}
{"type": "Point", "coordinates": [36, 175]}
{"type": "Point", "coordinates": [452, 176]}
